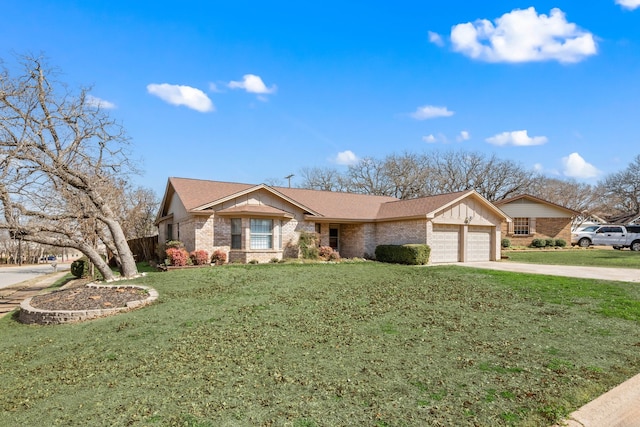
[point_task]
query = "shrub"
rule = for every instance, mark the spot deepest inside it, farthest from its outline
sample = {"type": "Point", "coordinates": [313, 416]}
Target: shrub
{"type": "Point", "coordinates": [177, 256]}
{"type": "Point", "coordinates": [561, 243]}
{"type": "Point", "coordinates": [307, 242]}
{"type": "Point", "coordinates": [219, 257]}
{"type": "Point", "coordinates": [254, 261]}
{"type": "Point", "coordinates": [177, 244]}
{"type": "Point", "coordinates": [550, 242]}
{"type": "Point", "coordinates": [539, 243]}
{"type": "Point", "coordinates": [199, 257]}
{"type": "Point", "coordinates": [80, 267]}
{"type": "Point", "coordinates": [506, 243]}
{"type": "Point", "coordinates": [327, 253]}
{"type": "Point", "coordinates": [403, 254]}
{"type": "Point", "coordinates": [274, 260]}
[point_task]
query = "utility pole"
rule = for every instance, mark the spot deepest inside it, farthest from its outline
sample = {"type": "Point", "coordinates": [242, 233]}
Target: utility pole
{"type": "Point", "coordinates": [288, 177]}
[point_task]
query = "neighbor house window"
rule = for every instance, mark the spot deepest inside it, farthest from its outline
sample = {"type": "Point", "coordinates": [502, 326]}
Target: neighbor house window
{"type": "Point", "coordinates": [169, 232]}
{"type": "Point", "coordinates": [261, 233]}
{"type": "Point", "coordinates": [236, 233]}
{"type": "Point", "coordinates": [521, 226]}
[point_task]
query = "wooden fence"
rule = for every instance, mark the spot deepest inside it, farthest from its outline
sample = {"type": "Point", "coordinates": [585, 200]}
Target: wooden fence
{"type": "Point", "coordinates": [144, 248]}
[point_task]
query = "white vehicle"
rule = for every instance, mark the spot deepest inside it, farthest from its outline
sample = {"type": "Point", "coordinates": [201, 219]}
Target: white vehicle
{"type": "Point", "coordinates": [614, 235]}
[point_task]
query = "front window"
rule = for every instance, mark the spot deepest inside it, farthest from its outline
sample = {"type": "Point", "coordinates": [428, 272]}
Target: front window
{"type": "Point", "coordinates": [169, 232]}
{"type": "Point", "coordinates": [236, 233]}
{"type": "Point", "coordinates": [521, 226]}
{"type": "Point", "coordinates": [261, 233]}
{"type": "Point", "coordinates": [334, 235]}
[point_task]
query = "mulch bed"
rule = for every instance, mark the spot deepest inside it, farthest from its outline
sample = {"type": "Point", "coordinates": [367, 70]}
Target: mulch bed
{"type": "Point", "coordinates": [85, 298]}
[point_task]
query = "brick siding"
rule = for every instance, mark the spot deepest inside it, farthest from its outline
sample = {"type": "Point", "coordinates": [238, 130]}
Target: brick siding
{"type": "Point", "coordinates": [401, 232]}
{"type": "Point", "coordinates": [555, 228]}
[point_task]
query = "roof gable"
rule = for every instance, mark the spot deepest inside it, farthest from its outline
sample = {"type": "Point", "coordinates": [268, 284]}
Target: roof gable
{"type": "Point", "coordinates": [528, 197]}
{"type": "Point", "coordinates": [430, 206]}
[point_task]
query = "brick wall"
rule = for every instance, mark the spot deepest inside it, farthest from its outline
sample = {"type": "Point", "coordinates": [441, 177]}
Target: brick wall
{"type": "Point", "coordinates": [203, 228]}
{"type": "Point", "coordinates": [555, 228]}
{"type": "Point", "coordinates": [401, 232]}
{"type": "Point", "coordinates": [352, 240]}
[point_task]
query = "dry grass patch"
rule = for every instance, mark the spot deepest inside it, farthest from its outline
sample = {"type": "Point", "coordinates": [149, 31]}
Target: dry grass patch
{"type": "Point", "coordinates": [316, 345]}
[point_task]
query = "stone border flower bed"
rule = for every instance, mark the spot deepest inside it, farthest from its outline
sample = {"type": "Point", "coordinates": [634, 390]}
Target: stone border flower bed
{"type": "Point", "coordinates": [32, 315]}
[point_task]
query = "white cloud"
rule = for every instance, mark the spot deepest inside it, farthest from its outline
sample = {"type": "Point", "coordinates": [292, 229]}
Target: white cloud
{"type": "Point", "coordinates": [524, 36]}
{"type": "Point", "coordinates": [518, 138]}
{"type": "Point", "coordinates": [576, 167]}
{"type": "Point", "coordinates": [95, 102]}
{"type": "Point", "coordinates": [629, 4]}
{"type": "Point", "coordinates": [430, 139]}
{"type": "Point", "coordinates": [436, 39]}
{"type": "Point", "coordinates": [463, 136]}
{"type": "Point", "coordinates": [252, 84]}
{"type": "Point", "coordinates": [182, 95]}
{"type": "Point", "coordinates": [439, 138]}
{"type": "Point", "coordinates": [430, 112]}
{"type": "Point", "coordinates": [346, 158]}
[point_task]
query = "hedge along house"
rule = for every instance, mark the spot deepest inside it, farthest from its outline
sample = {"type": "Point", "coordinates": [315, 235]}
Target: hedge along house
{"type": "Point", "coordinates": [533, 218]}
{"type": "Point", "coordinates": [260, 222]}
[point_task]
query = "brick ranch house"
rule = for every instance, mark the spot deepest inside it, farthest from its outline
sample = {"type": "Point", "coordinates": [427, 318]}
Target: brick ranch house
{"type": "Point", "coordinates": [533, 218]}
{"type": "Point", "coordinates": [261, 222]}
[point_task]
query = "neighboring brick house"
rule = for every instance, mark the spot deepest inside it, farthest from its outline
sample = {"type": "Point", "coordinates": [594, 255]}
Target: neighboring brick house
{"type": "Point", "coordinates": [261, 222]}
{"type": "Point", "coordinates": [533, 218]}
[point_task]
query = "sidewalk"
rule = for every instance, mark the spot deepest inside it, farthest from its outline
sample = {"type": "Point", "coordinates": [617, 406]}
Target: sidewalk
{"type": "Point", "coordinates": [619, 407]}
{"type": "Point", "coordinates": [12, 296]}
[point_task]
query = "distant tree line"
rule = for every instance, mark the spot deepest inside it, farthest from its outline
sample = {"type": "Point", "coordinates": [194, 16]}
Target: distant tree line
{"type": "Point", "coordinates": [411, 175]}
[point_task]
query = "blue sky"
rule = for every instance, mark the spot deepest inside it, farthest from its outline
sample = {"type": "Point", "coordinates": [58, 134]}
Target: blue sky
{"type": "Point", "coordinates": [254, 91]}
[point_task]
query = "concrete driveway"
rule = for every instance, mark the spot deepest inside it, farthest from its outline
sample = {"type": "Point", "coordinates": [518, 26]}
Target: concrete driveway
{"type": "Point", "coordinates": [602, 273]}
{"type": "Point", "coordinates": [11, 275]}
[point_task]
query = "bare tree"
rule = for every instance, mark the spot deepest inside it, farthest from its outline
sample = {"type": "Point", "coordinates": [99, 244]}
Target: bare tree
{"type": "Point", "coordinates": [60, 158]}
{"type": "Point", "coordinates": [138, 208]}
{"type": "Point", "coordinates": [493, 178]}
{"type": "Point", "coordinates": [368, 176]}
{"type": "Point", "coordinates": [571, 194]}
{"type": "Point", "coordinates": [621, 190]}
{"type": "Point", "coordinates": [408, 175]}
{"type": "Point", "coordinates": [325, 179]}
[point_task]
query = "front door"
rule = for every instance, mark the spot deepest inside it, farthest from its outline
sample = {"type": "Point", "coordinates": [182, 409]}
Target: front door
{"type": "Point", "coordinates": [334, 235]}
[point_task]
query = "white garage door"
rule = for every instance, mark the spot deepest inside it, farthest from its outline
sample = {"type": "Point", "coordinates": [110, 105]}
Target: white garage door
{"type": "Point", "coordinates": [479, 244]}
{"type": "Point", "coordinates": [445, 243]}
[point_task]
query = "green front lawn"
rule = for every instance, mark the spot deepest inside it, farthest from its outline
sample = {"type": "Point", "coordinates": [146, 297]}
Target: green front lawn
{"type": "Point", "coordinates": [578, 256]}
{"type": "Point", "coordinates": [329, 344]}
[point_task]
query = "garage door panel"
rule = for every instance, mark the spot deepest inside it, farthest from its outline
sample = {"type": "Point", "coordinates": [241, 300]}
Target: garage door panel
{"type": "Point", "coordinates": [479, 244]}
{"type": "Point", "coordinates": [446, 244]}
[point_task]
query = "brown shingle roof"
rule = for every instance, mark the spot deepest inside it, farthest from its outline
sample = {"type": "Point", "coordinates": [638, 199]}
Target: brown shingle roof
{"type": "Point", "coordinates": [417, 207]}
{"type": "Point", "coordinates": [331, 204]}
{"type": "Point", "coordinates": [196, 193]}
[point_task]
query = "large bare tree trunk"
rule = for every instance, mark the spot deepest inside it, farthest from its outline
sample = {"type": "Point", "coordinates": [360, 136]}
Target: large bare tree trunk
{"type": "Point", "coordinates": [61, 162]}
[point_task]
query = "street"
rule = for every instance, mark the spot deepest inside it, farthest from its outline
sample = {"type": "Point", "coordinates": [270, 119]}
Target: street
{"type": "Point", "coordinates": [16, 274]}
